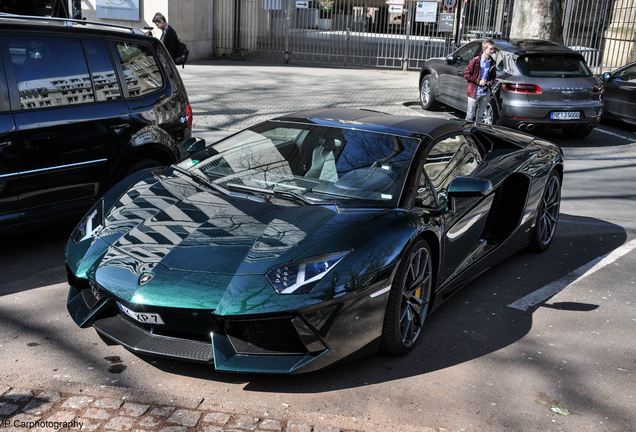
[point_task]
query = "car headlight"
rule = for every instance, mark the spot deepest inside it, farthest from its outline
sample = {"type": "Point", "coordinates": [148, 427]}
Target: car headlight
{"type": "Point", "coordinates": [298, 277]}
{"type": "Point", "coordinates": [92, 223]}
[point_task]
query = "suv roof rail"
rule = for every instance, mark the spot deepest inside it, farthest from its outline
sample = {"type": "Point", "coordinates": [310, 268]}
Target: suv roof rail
{"type": "Point", "coordinates": [69, 22]}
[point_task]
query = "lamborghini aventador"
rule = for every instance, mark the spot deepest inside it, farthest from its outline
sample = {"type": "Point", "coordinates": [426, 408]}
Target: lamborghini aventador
{"type": "Point", "coordinates": [302, 240]}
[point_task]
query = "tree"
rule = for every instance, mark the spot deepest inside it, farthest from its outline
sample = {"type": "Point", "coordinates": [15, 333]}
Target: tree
{"type": "Point", "coordinates": [538, 19]}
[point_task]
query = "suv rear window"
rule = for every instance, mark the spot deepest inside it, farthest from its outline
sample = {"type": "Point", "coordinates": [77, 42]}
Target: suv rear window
{"type": "Point", "coordinates": [550, 65]}
{"type": "Point", "coordinates": [50, 71]}
{"type": "Point", "coordinates": [141, 71]}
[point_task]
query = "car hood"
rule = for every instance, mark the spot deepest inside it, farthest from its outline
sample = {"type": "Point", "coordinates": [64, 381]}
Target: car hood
{"type": "Point", "coordinates": [168, 241]}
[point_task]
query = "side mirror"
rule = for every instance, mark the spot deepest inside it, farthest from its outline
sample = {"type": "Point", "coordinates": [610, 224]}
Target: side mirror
{"type": "Point", "coordinates": [469, 187]}
{"type": "Point", "coordinates": [450, 59]}
{"type": "Point", "coordinates": [193, 145]}
{"type": "Point", "coordinates": [607, 76]}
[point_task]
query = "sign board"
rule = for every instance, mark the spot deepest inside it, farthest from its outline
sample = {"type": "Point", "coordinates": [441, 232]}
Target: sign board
{"type": "Point", "coordinates": [394, 2]}
{"type": "Point", "coordinates": [396, 9]}
{"type": "Point", "coordinates": [127, 10]}
{"type": "Point", "coordinates": [272, 4]}
{"type": "Point", "coordinates": [426, 11]}
{"type": "Point", "coordinates": [446, 22]}
{"type": "Point", "coordinates": [302, 4]}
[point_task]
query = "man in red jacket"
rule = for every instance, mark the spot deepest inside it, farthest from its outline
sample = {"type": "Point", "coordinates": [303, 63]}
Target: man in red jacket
{"type": "Point", "coordinates": [480, 74]}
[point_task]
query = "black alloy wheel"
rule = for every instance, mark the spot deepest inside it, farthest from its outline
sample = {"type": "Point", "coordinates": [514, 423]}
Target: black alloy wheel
{"type": "Point", "coordinates": [409, 300]}
{"type": "Point", "coordinates": [548, 214]}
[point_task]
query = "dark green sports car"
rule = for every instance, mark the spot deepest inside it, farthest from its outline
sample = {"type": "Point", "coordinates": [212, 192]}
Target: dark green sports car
{"type": "Point", "coordinates": [300, 241]}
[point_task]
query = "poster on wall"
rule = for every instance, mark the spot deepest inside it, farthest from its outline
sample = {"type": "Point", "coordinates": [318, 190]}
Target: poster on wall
{"type": "Point", "coordinates": [426, 11]}
{"type": "Point", "coordinates": [118, 9]}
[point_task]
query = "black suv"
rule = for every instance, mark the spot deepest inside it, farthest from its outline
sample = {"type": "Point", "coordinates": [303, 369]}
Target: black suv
{"type": "Point", "coordinates": [81, 106]}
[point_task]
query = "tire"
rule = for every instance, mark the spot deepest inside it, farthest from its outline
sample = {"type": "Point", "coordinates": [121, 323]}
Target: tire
{"type": "Point", "coordinates": [577, 131]}
{"type": "Point", "coordinates": [409, 300]}
{"type": "Point", "coordinates": [491, 115]}
{"type": "Point", "coordinates": [547, 214]}
{"type": "Point", "coordinates": [427, 94]}
{"type": "Point", "coordinates": [142, 164]}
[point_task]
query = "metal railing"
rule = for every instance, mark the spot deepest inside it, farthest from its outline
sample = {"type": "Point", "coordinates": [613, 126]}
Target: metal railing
{"type": "Point", "coordinates": [404, 33]}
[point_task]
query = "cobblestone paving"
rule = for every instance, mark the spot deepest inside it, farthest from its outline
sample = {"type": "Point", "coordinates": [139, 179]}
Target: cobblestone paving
{"type": "Point", "coordinates": [42, 411]}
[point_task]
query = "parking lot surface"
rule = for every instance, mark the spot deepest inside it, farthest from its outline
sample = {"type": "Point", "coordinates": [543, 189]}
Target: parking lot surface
{"type": "Point", "coordinates": [540, 342]}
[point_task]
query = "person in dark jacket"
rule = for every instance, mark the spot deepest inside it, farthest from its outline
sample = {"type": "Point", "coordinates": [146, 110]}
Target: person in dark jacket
{"type": "Point", "coordinates": [168, 34]}
{"type": "Point", "coordinates": [480, 74]}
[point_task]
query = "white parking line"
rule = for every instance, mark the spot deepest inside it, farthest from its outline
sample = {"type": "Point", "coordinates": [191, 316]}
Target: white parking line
{"type": "Point", "coordinates": [613, 134]}
{"type": "Point", "coordinates": [542, 294]}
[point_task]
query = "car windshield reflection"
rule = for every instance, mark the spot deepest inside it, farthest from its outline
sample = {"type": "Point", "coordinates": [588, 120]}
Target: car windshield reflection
{"type": "Point", "coordinates": [309, 162]}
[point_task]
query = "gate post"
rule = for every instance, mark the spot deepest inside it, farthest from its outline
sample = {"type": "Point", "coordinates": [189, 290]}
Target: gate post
{"type": "Point", "coordinates": [288, 13]}
{"type": "Point", "coordinates": [407, 32]}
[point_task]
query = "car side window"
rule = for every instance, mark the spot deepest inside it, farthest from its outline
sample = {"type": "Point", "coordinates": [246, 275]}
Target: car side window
{"type": "Point", "coordinates": [141, 71]}
{"type": "Point", "coordinates": [628, 74]}
{"type": "Point", "coordinates": [449, 158]}
{"type": "Point", "coordinates": [102, 71]}
{"type": "Point", "coordinates": [465, 53]}
{"type": "Point", "coordinates": [50, 71]}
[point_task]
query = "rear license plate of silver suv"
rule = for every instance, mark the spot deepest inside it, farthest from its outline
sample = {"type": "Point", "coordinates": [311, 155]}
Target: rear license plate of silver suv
{"type": "Point", "coordinates": [565, 115]}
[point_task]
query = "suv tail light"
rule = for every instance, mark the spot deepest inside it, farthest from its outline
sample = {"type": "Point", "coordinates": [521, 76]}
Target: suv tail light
{"type": "Point", "coordinates": [188, 114]}
{"type": "Point", "coordinates": [522, 88]}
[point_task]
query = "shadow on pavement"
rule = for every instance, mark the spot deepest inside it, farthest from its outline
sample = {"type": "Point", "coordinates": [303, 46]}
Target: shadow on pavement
{"type": "Point", "coordinates": [475, 322]}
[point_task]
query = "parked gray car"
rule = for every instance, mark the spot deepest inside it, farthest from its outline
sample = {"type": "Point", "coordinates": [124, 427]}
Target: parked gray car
{"type": "Point", "coordinates": [539, 83]}
{"type": "Point", "coordinates": [620, 94]}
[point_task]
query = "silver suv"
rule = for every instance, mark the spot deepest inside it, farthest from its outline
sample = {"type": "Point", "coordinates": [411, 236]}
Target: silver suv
{"type": "Point", "coordinates": [539, 83]}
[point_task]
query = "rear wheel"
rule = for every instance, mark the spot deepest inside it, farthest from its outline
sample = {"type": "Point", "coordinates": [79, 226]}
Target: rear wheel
{"type": "Point", "coordinates": [491, 116]}
{"type": "Point", "coordinates": [547, 214]}
{"type": "Point", "coordinates": [409, 300]}
{"type": "Point", "coordinates": [427, 94]}
{"type": "Point", "coordinates": [577, 131]}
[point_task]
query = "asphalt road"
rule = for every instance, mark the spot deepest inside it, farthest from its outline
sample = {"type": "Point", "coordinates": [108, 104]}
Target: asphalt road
{"type": "Point", "coordinates": [564, 364]}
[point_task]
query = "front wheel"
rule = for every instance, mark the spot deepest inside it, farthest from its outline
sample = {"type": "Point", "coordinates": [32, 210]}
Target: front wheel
{"type": "Point", "coordinates": [427, 94]}
{"type": "Point", "coordinates": [547, 214]}
{"type": "Point", "coordinates": [409, 300]}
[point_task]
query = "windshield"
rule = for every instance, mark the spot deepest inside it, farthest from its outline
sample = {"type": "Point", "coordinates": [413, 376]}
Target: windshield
{"type": "Point", "coordinates": [315, 163]}
{"type": "Point", "coordinates": [550, 65]}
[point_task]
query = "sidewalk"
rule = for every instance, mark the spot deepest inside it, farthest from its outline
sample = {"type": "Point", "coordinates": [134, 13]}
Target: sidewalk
{"type": "Point", "coordinates": [22, 410]}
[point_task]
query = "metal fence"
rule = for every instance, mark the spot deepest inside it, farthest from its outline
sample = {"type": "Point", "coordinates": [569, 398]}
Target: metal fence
{"type": "Point", "coordinates": [404, 33]}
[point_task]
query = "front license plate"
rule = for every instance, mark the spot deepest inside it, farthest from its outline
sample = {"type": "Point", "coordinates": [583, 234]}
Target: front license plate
{"type": "Point", "coordinates": [565, 115]}
{"type": "Point", "coordinates": [142, 317]}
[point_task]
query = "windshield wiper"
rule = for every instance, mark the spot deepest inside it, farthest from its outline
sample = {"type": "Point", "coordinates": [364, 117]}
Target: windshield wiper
{"type": "Point", "coordinates": [275, 192]}
{"type": "Point", "coordinates": [212, 185]}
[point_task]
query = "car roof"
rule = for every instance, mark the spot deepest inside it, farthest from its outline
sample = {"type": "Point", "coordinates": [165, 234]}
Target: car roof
{"type": "Point", "coordinates": [375, 121]}
{"type": "Point", "coordinates": [531, 46]}
{"type": "Point", "coordinates": [65, 25]}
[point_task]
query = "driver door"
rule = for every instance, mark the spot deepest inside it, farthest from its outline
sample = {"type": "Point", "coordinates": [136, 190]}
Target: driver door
{"type": "Point", "coordinates": [451, 157]}
{"type": "Point", "coordinates": [452, 85]}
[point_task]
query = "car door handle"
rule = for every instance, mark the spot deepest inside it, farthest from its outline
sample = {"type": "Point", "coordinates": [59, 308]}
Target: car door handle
{"type": "Point", "coordinates": [460, 73]}
{"type": "Point", "coordinates": [120, 128]}
{"type": "Point", "coordinates": [6, 143]}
